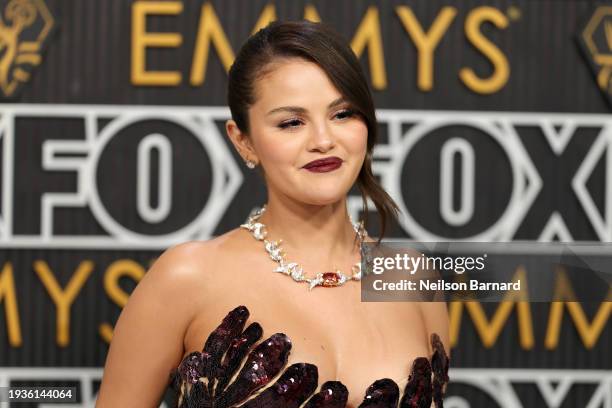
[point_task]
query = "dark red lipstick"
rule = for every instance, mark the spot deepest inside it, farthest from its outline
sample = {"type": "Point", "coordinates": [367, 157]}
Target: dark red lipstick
{"type": "Point", "coordinates": [324, 165]}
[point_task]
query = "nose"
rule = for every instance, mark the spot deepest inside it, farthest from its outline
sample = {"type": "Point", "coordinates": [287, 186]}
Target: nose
{"type": "Point", "coordinates": [322, 139]}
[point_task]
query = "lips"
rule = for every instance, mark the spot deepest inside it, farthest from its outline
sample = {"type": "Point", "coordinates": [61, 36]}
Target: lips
{"type": "Point", "coordinates": [326, 164]}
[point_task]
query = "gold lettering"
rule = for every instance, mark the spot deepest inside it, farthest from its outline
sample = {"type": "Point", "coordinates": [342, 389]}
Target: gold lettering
{"type": "Point", "coordinates": [63, 299]}
{"type": "Point", "coordinates": [209, 30]}
{"type": "Point", "coordinates": [114, 272]}
{"type": "Point", "coordinates": [589, 333]}
{"type": "Point", "coordinates": [7, 291]}
{"type": "Point", "coordinates": [267, 15]}
{"type": "Point", "coordinates": [311, 14]}
{"type": "Point", "coordinates": [141, 40]}
{"type": "Point", "coordinates": [426, 43]}
{"type": "Point", "coordinates": [501, 68]}
{"type": "Point", "coordinates": [368, 33]}
{"type": "Point", "coordinates": [490, 330]}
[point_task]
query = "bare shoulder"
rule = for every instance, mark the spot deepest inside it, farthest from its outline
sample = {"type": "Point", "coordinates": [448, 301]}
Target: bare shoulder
{"type": "Point", "coordinates": [181, 258]}
{"type": "Point", "coordinates": [153, 322]}
{"type": "Point", "coordinates": [199, 264]}
{"type": "Point", "coordinates": [179, 265]}
{"type": "Point", "coordinates": [178, 273]}
{"type": "Point", "coordinates": [195, 259]}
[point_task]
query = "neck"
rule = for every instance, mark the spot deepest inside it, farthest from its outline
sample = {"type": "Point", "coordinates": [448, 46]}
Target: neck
{"type": "Point", "coordinates": [317, 234]}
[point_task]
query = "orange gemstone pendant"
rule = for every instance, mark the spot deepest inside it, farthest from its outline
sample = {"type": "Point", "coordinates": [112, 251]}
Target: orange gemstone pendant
{"type": "Point", "coordinates": [330, 279]}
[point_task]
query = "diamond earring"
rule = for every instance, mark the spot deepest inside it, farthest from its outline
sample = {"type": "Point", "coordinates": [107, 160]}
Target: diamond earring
{"type": "Point", "coordinates": [250, 164]}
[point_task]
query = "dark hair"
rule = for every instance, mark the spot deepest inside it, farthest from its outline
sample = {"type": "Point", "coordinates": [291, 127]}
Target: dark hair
{"type": "Point", "coordinates": [318, 43]}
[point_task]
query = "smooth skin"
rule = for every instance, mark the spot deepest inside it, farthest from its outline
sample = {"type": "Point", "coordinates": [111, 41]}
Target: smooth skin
{"type": "Point", "coordinates": [298, 116]}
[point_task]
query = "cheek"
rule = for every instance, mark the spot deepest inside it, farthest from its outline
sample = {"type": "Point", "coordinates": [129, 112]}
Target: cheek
{"type": "Point", "coordinates": [358, 138]}
{"type": "Point", "coordinates": [277, 149]}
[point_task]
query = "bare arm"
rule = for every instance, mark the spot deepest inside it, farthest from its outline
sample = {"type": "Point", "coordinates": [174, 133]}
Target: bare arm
{"type": "Point", "coordinates": [148, 337]}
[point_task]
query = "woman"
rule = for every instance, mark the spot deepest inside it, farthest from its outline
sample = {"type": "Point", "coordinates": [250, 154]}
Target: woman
{"type": "Point", "coordinates": [302, 113]}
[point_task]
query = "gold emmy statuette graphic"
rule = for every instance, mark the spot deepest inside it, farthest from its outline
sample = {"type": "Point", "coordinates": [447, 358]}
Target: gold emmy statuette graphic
{"type": "Point", "coordinates": [596, 40]}
{"type": "Point", "coordinates": [24, 27]}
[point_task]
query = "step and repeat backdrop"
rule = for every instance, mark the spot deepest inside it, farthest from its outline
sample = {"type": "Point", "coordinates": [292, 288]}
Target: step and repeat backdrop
{"type": "Point", "coordinates": [112, 148]}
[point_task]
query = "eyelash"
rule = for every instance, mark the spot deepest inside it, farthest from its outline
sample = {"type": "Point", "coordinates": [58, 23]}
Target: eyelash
{"type": "Point", "coordinates": [349, 112]}
{"type": "Point", "coordinates": [287, 124]}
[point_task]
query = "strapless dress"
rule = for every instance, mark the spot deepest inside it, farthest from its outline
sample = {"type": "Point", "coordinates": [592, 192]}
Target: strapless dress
{"type": "Point", "coordinates": [208, 378]}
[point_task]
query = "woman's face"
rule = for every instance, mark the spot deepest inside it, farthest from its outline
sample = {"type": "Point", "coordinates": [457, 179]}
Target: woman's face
{"type": "Point", "coordinates": [299, 116]}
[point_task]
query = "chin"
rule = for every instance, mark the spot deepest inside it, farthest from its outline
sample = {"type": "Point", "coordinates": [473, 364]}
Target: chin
{"type": "Point", "coordinates": [323, 199]}
{"type": "Point", "coordinates": [325, 202]}
{"type": "Point", "coordinates": [319, 193]}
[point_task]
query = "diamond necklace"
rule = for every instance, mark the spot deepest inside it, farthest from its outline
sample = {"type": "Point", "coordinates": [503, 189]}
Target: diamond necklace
{"type": "Point", "coordinates": [294, 269]}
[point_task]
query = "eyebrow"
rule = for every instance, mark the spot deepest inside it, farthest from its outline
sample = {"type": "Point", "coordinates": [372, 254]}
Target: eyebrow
{"type": "Point", "coordinates": [299, 109]}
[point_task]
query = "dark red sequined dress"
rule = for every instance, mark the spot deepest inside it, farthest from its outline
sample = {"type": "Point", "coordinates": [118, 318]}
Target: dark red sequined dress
{"type": "Point", "coordinates": [204, 379]}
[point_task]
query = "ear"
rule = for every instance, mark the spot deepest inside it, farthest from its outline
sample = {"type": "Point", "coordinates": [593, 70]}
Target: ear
{"type": "Point", "coordinates": [241, 141]}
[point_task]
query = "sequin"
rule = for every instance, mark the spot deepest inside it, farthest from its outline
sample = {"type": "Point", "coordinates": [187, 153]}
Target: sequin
{"type": "Point", "coordinates": [417, 393]}
{"type": "Point", "coordinates": [333, 394]}
{"type": "Point", "coordinates": [381, 394]}
{"type": "Point", "coordinates": [208, 379]}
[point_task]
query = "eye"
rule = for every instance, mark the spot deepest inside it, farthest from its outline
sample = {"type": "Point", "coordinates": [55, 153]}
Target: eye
{"type": "Point", "coordinates": [345, 113]}
{"type": "Point", "coordinates": [293, 123]}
